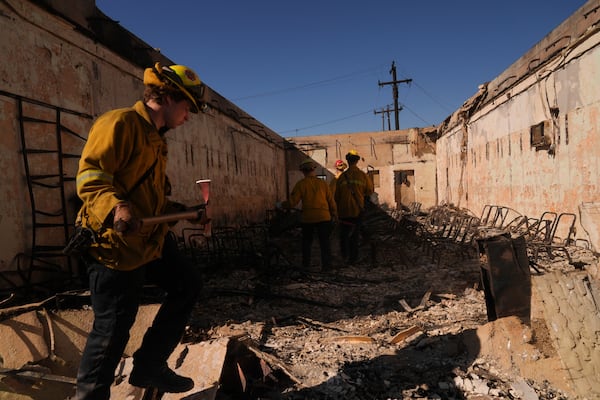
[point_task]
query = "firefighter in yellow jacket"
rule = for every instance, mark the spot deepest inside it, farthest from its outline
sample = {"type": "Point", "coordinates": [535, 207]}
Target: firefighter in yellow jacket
{"type": "Point", "coordinates": [122, 179]}
{"type": "Point", "coordinates": [352, 187]}
{"type": "Point", "coordinates": [318, 213]}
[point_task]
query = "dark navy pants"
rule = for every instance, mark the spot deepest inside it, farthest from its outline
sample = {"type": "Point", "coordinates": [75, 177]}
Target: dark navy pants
{"type": "Point", "coordinates": [115, 300]}
{"type": "Point", "coordinates": [323, 230]}
{"type": "Point", "coordinates": [350, 229]}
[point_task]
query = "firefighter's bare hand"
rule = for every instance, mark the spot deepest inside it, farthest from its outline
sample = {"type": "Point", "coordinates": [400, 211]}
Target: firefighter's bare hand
{"type": "Point", "coordinates": [124, 221]}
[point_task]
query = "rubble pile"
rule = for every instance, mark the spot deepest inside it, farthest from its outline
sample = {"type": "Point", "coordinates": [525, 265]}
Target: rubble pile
{"type": "Point", "coordinates": [410, 320]}
{"type": "Point", "coordinates": [405, 325]}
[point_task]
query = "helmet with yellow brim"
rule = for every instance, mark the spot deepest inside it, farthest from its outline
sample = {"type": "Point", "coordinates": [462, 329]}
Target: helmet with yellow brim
{"type": "Point", "coordinates": [179, 76]}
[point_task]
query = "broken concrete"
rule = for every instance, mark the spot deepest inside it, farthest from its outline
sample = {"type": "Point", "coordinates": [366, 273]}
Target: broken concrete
{"type": "Point", "coordinates": [407, 326]}
{"type": "Point", "coordinates": [202, 361]}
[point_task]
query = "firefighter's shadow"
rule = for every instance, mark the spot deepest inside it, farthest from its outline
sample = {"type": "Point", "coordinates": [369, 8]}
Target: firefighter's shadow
{"type": "Point", "coordinates": [428, 367]}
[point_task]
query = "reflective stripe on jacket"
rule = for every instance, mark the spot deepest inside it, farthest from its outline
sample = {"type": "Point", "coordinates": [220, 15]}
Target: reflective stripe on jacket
{"type": "Point", "coordinates": [121, 146]}
{"type": "Point", "coordinates": [349, 205]}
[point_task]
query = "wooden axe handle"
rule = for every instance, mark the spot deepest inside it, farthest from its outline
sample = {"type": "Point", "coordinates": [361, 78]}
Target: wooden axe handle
{"type": "Point", "coordinates": [194, 214]}
{"type": "Point", "coordinates": [122, 226]}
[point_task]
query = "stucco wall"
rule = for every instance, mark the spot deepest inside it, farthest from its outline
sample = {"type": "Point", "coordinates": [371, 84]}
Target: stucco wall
{"type": "Point", "coordinates": [487, 157]}
{"type": "Point", "coordinates": [51, 69]}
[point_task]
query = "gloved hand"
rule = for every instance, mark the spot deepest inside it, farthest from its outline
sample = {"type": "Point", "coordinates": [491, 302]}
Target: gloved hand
{"type": "Point", "coordinates": [124, 221]}
{"type": "Point", "coordinates": [202, 217]}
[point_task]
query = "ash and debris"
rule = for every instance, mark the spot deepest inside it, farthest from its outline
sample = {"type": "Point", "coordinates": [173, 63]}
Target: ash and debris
{"type": "Point", "coordinates": [397, 325]}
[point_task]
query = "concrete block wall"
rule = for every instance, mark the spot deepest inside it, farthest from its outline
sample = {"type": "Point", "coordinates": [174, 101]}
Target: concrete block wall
{"type": "Point", "coordinates": [572, 314]}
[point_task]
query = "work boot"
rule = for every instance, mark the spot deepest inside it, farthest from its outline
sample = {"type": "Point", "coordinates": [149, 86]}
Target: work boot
{"type": "Point", "coordinates": [162, 378]}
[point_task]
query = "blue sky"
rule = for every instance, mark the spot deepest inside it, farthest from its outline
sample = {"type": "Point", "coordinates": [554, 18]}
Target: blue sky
{"type": "Point", "coordinates": [313, 67]}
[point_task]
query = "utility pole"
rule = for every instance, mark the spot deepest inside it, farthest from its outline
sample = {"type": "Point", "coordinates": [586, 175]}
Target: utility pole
{"type": "Point", "coordinates": [385, 113]}
{"type": "Point", "coordinates": [395, 83]}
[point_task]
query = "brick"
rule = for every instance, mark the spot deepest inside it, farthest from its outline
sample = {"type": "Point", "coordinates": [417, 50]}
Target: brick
{"type": "Point", "coordinates": [551, 305]}
{"type": "Point", "coordinates": [573, 363]}
{"type": "Point", "coordinates": [583, 350]}
{"type": "Point", "coordinates": [583, 386]}
{"type": "Point", "coordinates": [593, 324]}
{"type": "Point", "coordinates": [566, 343]}
{"type": "Point", "coordinates": [581, 287]}
{"type": "Point", "coordinates": [588, 304]}
{"type": "Point", "coordinates": [566, 286]}
{"type": "Point", "coordinates": [559, 323]}
{"type": "Point", "coordinates": [542, 285]}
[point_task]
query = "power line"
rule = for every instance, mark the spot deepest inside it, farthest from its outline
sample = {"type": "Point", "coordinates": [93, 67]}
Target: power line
{"type": "Point", "coordinates": [326, 123]}
{"type": "Point", "coordinates": [417, 115]}
{"type": "Point", "coordinates": [433, 99]}
{"type": "Point", "coordinates": [308, 85]}
{"type": "Point", "coordinates": [333, 80]}
{"type": "Point", "coordinates": [446, 107]}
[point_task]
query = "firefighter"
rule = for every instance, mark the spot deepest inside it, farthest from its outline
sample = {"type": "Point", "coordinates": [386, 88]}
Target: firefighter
{"type": "Point", "coordinates": [319, 212]}
{"type": "Point", "coordinates": [352, 187]}
{"type": "Point", "coordinates": [340, 166]}
{"type": "Point", "coordinates": [121, 179]}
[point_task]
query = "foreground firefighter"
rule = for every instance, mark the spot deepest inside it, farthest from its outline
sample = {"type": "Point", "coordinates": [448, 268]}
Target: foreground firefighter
{"type": "Point", "coordinates": [121, 179]}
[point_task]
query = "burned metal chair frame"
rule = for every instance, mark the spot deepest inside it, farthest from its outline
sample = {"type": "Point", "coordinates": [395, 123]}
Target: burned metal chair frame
{"type": "Point", "coordinates": [448, 230]}
{"type": "Point", "coordinates": [550, 232]}
{"type": "Point", "coordinates": [246, 245]}
{"type": "Point", "coordinates": [199, 246]}
{"type": "Point", "coordinates": [553, 233]}
{"type": "Point", "coordinates": [220, 248]}
{"type": "Point", "coordinates": [540, 229]}
{"type": "Point", "coordinates": [404, 219]}
{"type": "Point", "coordinates": [495, 216]}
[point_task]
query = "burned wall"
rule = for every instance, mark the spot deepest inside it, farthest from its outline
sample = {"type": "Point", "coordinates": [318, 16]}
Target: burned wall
{"type": "Point", "coordinates": [529, 139]}
{"type": "Point", "coordinates": [387, 155]}
{"type": "Point", "coordinates": [66, 68]}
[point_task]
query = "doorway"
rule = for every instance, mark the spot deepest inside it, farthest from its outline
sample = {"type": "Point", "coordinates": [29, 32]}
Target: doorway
{"type": "Point", "coordinates": [404, 188]}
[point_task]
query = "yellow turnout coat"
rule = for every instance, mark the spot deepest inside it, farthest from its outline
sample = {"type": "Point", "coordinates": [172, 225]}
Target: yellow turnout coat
{"type": "Point", "coordinates": [122, 145]}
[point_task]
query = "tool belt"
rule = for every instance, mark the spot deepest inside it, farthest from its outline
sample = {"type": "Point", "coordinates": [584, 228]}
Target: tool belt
{"type": "Point", "coordinates": [80, 241]}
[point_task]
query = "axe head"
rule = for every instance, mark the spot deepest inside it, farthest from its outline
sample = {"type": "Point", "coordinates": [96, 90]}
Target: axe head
{"type": "Point", "coordinates": [205, 188]}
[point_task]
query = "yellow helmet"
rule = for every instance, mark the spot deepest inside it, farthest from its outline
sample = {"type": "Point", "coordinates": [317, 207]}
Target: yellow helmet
{"type": "Point", "coordinates": [179, 76]}
{"type": "Point", "coordinates": [352, 157]}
